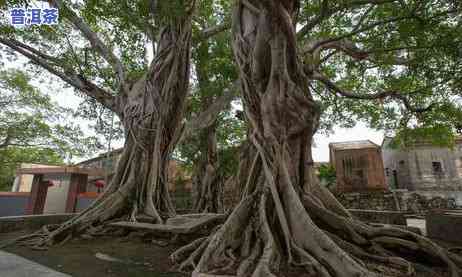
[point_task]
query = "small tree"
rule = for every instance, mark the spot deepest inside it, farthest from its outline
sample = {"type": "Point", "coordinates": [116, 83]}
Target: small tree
{"type": "Point", "coordinates": [327, 175]}
{"type": "Point", "coordinates": [33, 128]}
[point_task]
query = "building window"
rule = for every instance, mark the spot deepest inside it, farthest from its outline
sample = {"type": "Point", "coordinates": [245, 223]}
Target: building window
{"type": "Point", "coordinates": [437, 168]}
{"type": "Point", "coordinates": [395, 179]}
{"type": "Point", "coordinates": [348, 166]}
{"type": "Point", "coordinates": [401, 163]}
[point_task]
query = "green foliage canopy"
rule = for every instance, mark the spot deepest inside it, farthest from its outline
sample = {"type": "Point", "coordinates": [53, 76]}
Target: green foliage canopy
{"type": "Point", "coordinates": [33, 128]}
{"type": "Point", "coordinates": [394, 63]}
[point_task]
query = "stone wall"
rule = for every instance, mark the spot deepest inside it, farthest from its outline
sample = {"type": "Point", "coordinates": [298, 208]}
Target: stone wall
{"type": "Point", "coordinates": [401, 200]}
{"type": "Point", "coordinates": [381, 201]}
{"type": "Point", "coordinates": [384, 217]}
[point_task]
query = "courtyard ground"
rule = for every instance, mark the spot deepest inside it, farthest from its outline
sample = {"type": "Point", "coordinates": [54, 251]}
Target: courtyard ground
{"type": "Point", "coordinates": [78, 257]}
{"type": "Point", "coordinates": [131, 257]}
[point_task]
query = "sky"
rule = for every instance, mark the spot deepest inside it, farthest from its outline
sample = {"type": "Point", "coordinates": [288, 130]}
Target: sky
{"type": "Point", "coordinates": [67, 98]}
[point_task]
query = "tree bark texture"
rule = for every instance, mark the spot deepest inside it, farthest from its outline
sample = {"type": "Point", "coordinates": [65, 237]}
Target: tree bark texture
{"type": "Point", "coordinates": [285, 218]}
{"type": "Point", "coordinates": [207, 182]}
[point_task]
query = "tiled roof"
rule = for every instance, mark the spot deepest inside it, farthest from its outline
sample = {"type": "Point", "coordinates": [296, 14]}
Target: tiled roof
{"type": "Point", "coordinates": [357, 144]}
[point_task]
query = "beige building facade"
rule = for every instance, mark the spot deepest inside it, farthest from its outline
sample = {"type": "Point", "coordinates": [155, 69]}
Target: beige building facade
{"type": "Point", "coordinates": [423, 166]}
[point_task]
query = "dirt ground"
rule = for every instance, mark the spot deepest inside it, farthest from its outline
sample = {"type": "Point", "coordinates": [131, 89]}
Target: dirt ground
{"type": "Point", "coordinates": [77, 257]}
{"type": "Point", "coordinates": [135, 258]}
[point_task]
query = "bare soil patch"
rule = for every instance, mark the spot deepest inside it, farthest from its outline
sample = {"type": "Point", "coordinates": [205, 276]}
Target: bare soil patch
{"type": "Point", "coordinates": [137, 258]}
{"type": "Point", "coordinates": [77, 257]}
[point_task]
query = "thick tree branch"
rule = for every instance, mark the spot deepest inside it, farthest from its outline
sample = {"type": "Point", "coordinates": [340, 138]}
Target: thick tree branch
{"type": "Point", "coordinates": [208, 117]}
{"type": "Point", "coordinates": [94, 40]}
{"type": "Point", "coordinates": [327, 11]}
{"type": "Point", "coordinates": [321, 42]}
{"type": "Point", "coordinates": [323, 14]}
{"type": "Point", "coordinates": [212, 31]}
{"type": "Point", "coordinates": [70, 77]}
{"type": "Point", "coordinates": [23, 145]}
{"type": "Point", "coordinates": [351, 49]}
{"type": "Point", "coordinates": [6, 141]}
{"type": "Point", "coordinates": [331, 86]}
{"type": "Point", "coordinates": [35, 51]}
{"type": "Point", "coordinates": [357, 30]}
{"type": "Point", "coordinates": [8, 102]}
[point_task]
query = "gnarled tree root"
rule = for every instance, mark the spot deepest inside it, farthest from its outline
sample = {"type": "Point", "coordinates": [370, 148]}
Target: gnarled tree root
{"type": "Point", "coordinates": [250, 244]}
{"type": "Point", "coordinates": [273, 227]}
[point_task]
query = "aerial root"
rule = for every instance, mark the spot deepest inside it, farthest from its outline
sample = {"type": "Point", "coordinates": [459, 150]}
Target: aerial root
{"type": "Point", "coordinates": [308, 262]}
{"type": "Point", "coordinates": [270, 253]}
{"type": "Point", "coordinates": [390, 237]}
{"type": "Point", "coordinates": [360, 235]}
{"type": "Point", "coordinates": [333, 220]}
{"type": "Point", "coordinates": [246, 266]}
{"type": "Point", "coordinates": [277, 230]}
{"type": "Point", "coordinates": [185, 253]}
{"type": "Point", "coordinates": [356, 251]}
{"type": "Point", "coordinates": [455, 249]}
{"type": "Point", "coordinates": [190, 254]}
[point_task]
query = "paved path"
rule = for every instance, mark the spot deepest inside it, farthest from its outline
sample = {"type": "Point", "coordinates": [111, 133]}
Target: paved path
{"type": "Point", "coordinates": [15, 266]}
{"type": "Point", "coordinates": [419, 223]}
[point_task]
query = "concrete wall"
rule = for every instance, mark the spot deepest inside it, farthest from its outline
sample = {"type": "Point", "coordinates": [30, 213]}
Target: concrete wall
{"type": "Point", "coordinates": [396, 168]}
{"type": "Point", "coordinates": [444, 226]}
{"type": "Point", "coordinates": [30, 222]}
{"type": "Point", "coordinates": [83, 201]}
{"type": "Point", "coordinates": [57, 194]}
{"type": "Point", "coordinates": [414, 170]}
{"type": "Point", "coordinates": [13, 204]}
{"type": "Point", "coordinates": [421, 170]}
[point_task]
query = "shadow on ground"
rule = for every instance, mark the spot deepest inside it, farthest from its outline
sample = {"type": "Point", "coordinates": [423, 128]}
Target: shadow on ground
{"type": "Point", "coordinates": [77, 257]}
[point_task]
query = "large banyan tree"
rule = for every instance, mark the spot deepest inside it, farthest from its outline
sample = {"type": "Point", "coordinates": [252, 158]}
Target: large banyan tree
{"type": "Point", "coordinates": [145, 85]}
{"type": "Point", "coordinates": [303, 66]}
{"type": "Point", "coordinates": [285, 217]}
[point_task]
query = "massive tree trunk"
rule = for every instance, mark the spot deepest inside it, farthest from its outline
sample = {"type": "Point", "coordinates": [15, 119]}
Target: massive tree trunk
{"type": "Point", "coordinates": [285, 218]}
{"type": "Point", "coordinates": [151, 111]}
{"type": "Point", "coordinates": [207, 183]}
